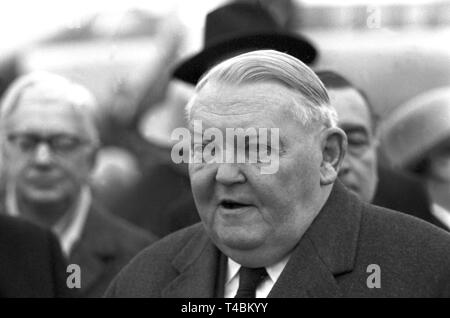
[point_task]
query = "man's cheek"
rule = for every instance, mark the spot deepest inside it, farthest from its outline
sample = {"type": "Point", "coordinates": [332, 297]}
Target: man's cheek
{"type": "Point", "coordinates": [79, 168]}
{"type": "Point", "coordinates": [201, 188]}
{"type": "Point", "coordinates": [369, 160]}
{"type": "Point", "coordinates": [15, 170]}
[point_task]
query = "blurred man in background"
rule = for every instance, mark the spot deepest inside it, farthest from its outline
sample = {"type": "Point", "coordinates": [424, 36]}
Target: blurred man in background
{"type": "Point", "coordinates": [50, 141]}
{"type": "Point", "coordinates": [360, 172]}
{"type": "Point", "coordinates": [31, 262]}
{"type": "Point", "coordinates": [416, 139]}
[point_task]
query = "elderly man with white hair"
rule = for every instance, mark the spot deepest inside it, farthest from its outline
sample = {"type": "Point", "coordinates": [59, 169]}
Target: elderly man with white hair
{"type": "Point", "coordinates": [49, 143]}
{"type": "Point", "coordinates": [294, 231]}
{"type": "Point", "coordinates": [416, 139]}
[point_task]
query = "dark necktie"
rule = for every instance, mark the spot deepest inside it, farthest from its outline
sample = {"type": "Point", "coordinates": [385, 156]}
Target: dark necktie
{"type": "Point", "coordinates": [249, 279]}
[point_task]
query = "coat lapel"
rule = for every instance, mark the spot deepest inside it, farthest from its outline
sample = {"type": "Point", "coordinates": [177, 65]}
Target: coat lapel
{"type": "Point", "coordinates": [305, 275]}
{"type": "Point", "coordinates": [326, 250]}
{"type": "Point", "coordinates": [198, 264]}
{"type": "Point", "coordinates": [94, 250]}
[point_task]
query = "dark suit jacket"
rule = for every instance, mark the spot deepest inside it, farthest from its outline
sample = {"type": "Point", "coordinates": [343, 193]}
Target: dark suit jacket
{"type": "Point", "coordinates": [106, 245]}
{"type": "Point", "coordinates": [31, 263]}
{"type": "Point", "coordinates": [404, 193]}
{"type": "Point", "coordinates": [331, 259]}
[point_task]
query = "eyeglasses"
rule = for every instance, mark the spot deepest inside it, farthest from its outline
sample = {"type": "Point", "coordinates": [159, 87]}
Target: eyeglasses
{"type": "Point", "coordinates": [61, 144]}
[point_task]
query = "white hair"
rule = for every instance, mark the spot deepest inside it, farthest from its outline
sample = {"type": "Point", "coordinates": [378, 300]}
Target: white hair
{"type": "Point", "coordinates": [312, 104]}
{"type": "Point", "coordinates": [56, 87]}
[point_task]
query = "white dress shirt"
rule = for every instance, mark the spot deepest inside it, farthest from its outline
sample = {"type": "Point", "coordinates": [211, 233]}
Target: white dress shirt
{"type": "Point", "coordinates": [441, 214]}
{"type": "Point", "coordinates": [232, 279]}
{"type": "Point", "coordinates": [68, 229]}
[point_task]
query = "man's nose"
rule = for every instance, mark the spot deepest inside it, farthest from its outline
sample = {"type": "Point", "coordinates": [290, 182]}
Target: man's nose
{"type": "Point", "coordinates": [229, 173]}
{"type": "Point", "coordinates": [42, 155]}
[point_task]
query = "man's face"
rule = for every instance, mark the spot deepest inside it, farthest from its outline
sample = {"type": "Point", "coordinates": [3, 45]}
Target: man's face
{"type": "Point", "coordinates": [252, 217]}
{"type": "Point", "coordinates": [46, 150]}
{"type": "Point", "coordinates": [359, 168]}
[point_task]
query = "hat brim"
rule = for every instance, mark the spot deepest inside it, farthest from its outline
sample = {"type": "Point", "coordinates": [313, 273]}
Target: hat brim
{"type": "Point", "coordinates": [194, 67]}
{"type": "Point", "coordinates": [413, 164]}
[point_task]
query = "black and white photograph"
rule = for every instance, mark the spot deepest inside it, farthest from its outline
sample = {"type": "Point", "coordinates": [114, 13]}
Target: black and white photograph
{"type": "Point", "coordinates": [225, 149]}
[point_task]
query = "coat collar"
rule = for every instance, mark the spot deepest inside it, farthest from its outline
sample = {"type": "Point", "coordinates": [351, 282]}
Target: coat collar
{"type": "Point", "coordinates": [198, 264]}
{"type": "Point", "coordinates": [95, 248]}
{"type": "Point", "coordinates": [327, 249]}
{"type": "Point", "coordinates": [335, 231]}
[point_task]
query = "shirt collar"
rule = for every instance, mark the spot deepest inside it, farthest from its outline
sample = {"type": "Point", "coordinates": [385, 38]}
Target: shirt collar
{"type": "Point", "coordinates": [274, 271]}
{"type": "Point", "coordinates": [68, 229]}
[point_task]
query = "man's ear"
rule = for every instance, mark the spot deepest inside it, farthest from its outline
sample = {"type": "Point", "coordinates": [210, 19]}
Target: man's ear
{"type": "Point", "coordinates": [334, 147]}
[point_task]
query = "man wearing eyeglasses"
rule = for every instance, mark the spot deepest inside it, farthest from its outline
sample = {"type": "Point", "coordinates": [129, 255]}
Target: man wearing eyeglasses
{"type": "Point", "coordinates": [49, 145]}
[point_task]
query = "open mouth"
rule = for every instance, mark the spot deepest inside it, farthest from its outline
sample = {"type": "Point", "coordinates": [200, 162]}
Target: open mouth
{"type": "Point", "coordinates": [43, 182]}
{"type": "Point", "coordinates": [230, 204]}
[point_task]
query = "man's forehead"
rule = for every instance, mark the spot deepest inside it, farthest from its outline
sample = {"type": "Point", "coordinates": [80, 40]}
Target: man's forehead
{"type": "Point", "coordinates": [47, 114]}
{"type": "Point", "coordinates": [246, 98]}
{"type": "Point", "coordinates": [350, 106]}
{"type": "Point", "coordinates": [48, 108]}
{"type": "Point", "coordinates": [41, 91]}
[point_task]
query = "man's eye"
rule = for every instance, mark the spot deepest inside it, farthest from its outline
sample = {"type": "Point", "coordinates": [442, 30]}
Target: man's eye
{"type": "Point", "coordinates": [197, 152]}
{"type": "Point", "coordinates": [358, 143]}
{"type": "Point", "coordinates": [200, 147]}
{"type": "Point", "coordinates": [264, 152]}
{"type": "Point", "coordinates": [267, 149]}
{"type": "Point", "coordinates": [65, 143]}
{"type": "Point", "coordinates": [25, 143]}
{"type": "Point", "coordinates": [209, 152]}
{"type": "Point", "coordinates": [197, 147]}
{"type": "Point", "coordinates": [357, 140]}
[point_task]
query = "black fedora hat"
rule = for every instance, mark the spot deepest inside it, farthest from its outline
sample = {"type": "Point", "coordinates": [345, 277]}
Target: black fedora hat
{"type": "Point", "coordinates": [237, 28]}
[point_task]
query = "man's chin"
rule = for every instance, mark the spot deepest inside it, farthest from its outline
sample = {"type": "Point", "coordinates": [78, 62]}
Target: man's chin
{"type": "Point", "coordinates": [43, 196]}
{"type": "Point", "coordinates": [239, 239]}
